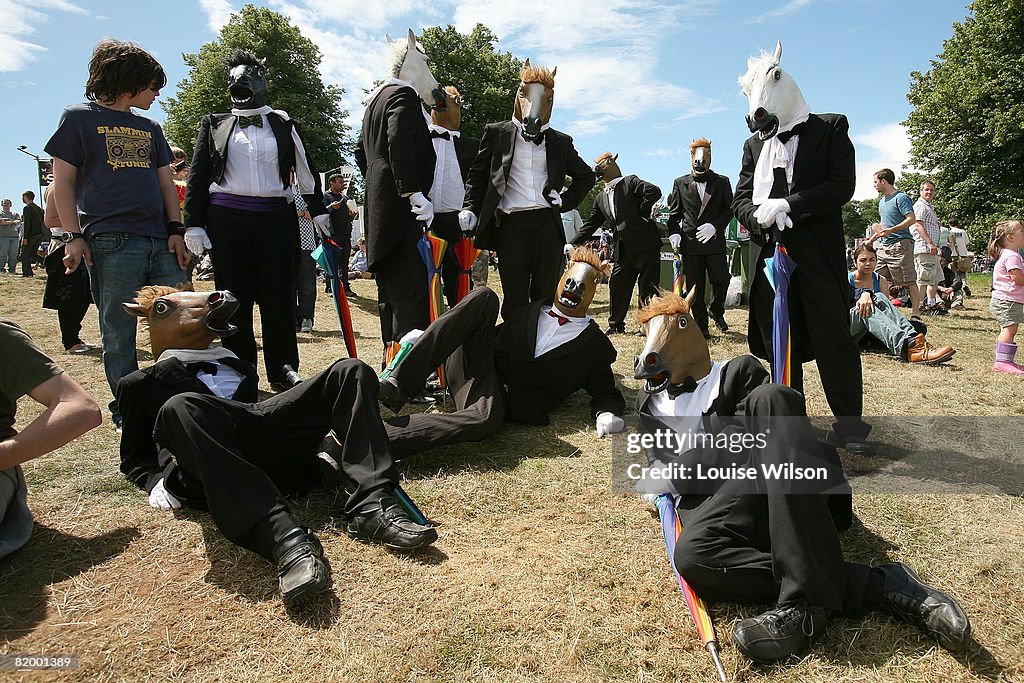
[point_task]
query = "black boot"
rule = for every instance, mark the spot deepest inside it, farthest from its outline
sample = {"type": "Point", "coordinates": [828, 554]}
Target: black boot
{"type": "Point", "coordinates": [387, 522]}
{"type": "Point", "coordinates": [937, 614]}
{"type": "Point", "coordinates": [391, 395]}
{"type": "Point", "coordinates": [301, 571]}
{"type": "Point", "coordinates": [779, 632]}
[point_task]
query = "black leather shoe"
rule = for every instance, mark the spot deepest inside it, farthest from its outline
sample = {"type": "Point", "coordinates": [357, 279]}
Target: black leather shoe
{"type": "Point", "coordinates": [389, 523]}
{"type": "Point", "coordinates": [779, 632]}
{"type": "Point", "coordinates": [615, 329]}
{"type": "Point", "coordinates": [391, 395]}
{"type": "Point", "coordinates": [857, 445]}
{"type": "Point", "coordinates": [301, 572]}
{"type": "Point", "coordinates": [937, 614]}
{"type": "Point", "coordinates": [721, 324]}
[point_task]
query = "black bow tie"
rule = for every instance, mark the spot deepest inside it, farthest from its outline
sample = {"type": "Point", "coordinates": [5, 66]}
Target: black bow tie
{"type": "Point", "coordinates": [795, 130]}
{"type": "Point", "coordinates": [246, 121]}
{"type": "Point", "coordinates": [561, 318]}
{"type": "Point", "coordinates": [202, 366]}
{"type": "Point", "coordinates": [436, 134]}
{"type": "Point", "coordinates": [687, 387]}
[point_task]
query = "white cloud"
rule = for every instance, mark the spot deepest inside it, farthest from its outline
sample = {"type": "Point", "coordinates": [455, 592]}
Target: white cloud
{"type": "Point", "coordinates": [781, 11]}
{"type": "Point", "coordinates": [884, 146]}
{"type": "Point", "coordinates": [20, 22]}
{"type": "Point", "coordinates": [662, 152]}
{"type": "Point", "coordinates": [218, 12]}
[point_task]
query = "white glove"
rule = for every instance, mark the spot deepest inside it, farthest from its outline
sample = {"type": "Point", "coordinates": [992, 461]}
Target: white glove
{"type": "Point", "coordinates": [467, 220]}
{"type": "Point", "coordinates": [675, 240]}
{"type": "Point", "coordinates": [197, 241]}
{"type": "Point", "coordinates": [705, 233]}
{"type": "Point", "coordinates": [160, 499]}
{"type": "Point", "coordinates": [554, 199]}
{"type": "Point", "coordinates": [607, 423]}
{"type": "Point", "coordinates": [411, 336]}
{"type": "Point", "coordinates": [422, 208]}
{"type": "Point", "coordinates": [567, 249]}
{"type": "Point", "coordinates": [783, 221]}
{"type": "Point", "coordinates": [767, 212]}
{"type": "Point", "coordinates": [323, 224]}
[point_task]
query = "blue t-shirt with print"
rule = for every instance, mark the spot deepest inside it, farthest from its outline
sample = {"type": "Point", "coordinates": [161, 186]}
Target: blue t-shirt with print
{"type": "Point", "coordinates": [893, 211]}
{"type": "Point", "coordinates": [117, 155]}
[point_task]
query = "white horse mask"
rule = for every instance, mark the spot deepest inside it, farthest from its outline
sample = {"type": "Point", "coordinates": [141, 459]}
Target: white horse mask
{"type": "Point", "coordinates": [410, 64]}
{"type": "Point", "coordinates": [774, 100]}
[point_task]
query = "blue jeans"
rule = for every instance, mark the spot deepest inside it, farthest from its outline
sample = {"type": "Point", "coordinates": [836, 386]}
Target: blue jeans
{"type": "Point", "coordinates": [123, 264]}
{"type": "Point", "coordinates": [9, 247]}
{"type": "Point", "coordinates": [885, 323]}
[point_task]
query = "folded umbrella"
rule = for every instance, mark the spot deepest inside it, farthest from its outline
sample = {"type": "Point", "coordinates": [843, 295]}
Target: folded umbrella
{"type": "Point", "coordinates": [331, 259]}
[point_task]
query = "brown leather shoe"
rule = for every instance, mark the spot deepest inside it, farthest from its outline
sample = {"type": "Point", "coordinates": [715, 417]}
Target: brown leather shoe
{"type": "Point", "coordinates": [920, 351]}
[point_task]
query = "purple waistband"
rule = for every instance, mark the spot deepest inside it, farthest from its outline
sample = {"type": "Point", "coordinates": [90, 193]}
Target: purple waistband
{"type": "Point", "coordinates": [238, 201]}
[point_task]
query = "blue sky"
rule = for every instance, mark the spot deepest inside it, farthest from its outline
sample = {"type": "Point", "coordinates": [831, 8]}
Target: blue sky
{"type": "Point", "coordinates": [637, 77]}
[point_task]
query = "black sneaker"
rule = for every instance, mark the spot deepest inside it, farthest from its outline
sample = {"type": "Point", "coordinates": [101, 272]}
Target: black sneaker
{"type": "Point", "coordinates": [301, 572]}
{"type": "Point", "coordinates": [857, 445]}
{"type": "Point", "coordinates": [935, 613]}
{"type": "Point", "coordinates": [388, 523]}
{"type": "Point", "coordinates": [779, 632]}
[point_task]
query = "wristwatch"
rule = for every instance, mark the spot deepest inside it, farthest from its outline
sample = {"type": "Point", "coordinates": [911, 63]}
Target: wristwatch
{"type": "Point", "coordinates": [66, 237]}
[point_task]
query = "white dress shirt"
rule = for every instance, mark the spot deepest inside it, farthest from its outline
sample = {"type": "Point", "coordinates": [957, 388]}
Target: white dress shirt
{"type": "Point", "coordinates": [527, 176]}
{"type": "Point", "coordinates": [448, 193]}
{"type": "Point", "coordinates": [686, 410]}
{"type": "Point", "coordinates": [551, 335]}
{"type": "Point", "coordinates": [252, 168]}
{"type": "Point", "coordinates": [609, 190]}
{"type": "Point", "coordinates": [225, 383]}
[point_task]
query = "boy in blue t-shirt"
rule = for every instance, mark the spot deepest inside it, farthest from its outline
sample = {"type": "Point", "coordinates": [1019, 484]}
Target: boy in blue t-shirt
{"type": "Point", "coordinates": [115, 195]}
{"type": "Point", "coordinates": [896, 251]}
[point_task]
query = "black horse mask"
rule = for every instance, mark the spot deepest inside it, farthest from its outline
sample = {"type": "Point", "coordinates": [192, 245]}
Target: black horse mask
{"type": "Point", "coordinates": [247, 86]}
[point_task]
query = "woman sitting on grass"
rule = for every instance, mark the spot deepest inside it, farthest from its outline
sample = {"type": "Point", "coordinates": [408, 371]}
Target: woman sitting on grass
{"type": "Point", "coordinates": [873, 313]}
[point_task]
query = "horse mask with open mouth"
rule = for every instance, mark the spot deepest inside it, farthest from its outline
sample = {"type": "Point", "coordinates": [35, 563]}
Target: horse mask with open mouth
{"type": "Point", "coordinates": [451, 117]}
{"type": "Point", "coordinates": [534, 99]}
{"type": "Point", "coordinates": [606, 168]}
{"type": "Point", "coordinates": [578, 284]}
{"type": "Point", "coordinates": [183, 319]}
{"type": "Point", "coordinates": [700, 159]}
{"type": "Point", "coordinates": [247, 80]}
{"type": "Point", "coordinates": [410, 63]}
{"type": "Point", "coordinates": [774, 99]}
{"type": "Point", "coordinates": [675, 352]}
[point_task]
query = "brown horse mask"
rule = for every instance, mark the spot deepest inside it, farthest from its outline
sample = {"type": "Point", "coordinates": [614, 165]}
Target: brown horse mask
{"type": "Point", "coordinates": [449, 118]}
{"type": "Point", "coordinates": [675, 352]}
{"type": "Point", "coordinates": [183, 319]}
{"type": "Point", "coordinates": [578, 284]}
{"type": "Point", "coordinates": [534, 99]}
{"type": "Point", "coordinates": [700, 158]}
{"type": "Point", "coordinates": [606, 168]}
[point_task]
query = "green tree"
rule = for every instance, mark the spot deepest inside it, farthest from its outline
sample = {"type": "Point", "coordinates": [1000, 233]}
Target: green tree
{"type": "Point", "coordinates": [293, 78]}
{"type": "Point", "coordinates": [966, 128]}
{"type": "Point", "coordinates": [486, 78]}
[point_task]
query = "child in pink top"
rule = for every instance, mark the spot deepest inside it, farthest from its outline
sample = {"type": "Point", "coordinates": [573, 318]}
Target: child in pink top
{"type": "Point", "coordinates": [1007, 303]}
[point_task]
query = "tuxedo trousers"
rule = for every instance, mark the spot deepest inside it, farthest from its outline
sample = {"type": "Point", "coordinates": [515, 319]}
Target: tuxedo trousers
{"type": "Point", "coordinates": [642, 267]}
{"type": "Point", "coordinates": [755, 541]}
{"type": "Point", "coordinates": [254, 258]}
{"type": "Point", "coordinates": [701, 269]}
{"type": "Point", "coordinates": [529, 257]}
{"type": "Point", "coordinates": [463, 340]}
{"type": "Point", "coordinates": [402, 293]}
{"type": "Point", "coordinates": [248, 456]}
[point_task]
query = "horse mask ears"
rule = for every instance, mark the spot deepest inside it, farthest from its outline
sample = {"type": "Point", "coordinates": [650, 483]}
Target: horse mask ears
{"type": "Point", "coordinates": [691, 296]}
{"type": "Point", "coordinates": [606, 267]}
{"type": "Point", "coordinates": [412, 40]}
{"type": "Point", "coordinates": [132, 308]}
{"type": "Point", "coordinates": [778, 51]}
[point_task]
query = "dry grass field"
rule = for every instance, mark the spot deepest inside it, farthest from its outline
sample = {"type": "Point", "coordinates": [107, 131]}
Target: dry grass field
{"type": "Point", "coordinates": [540, 573]}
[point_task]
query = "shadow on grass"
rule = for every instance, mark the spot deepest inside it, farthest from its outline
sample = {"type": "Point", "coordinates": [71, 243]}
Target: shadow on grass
{"type": "Point", "coordinates": [49, 557]}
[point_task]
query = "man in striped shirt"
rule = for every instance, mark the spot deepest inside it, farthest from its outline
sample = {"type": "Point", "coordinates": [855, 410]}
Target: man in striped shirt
{"type": "Point", "coordinates": [926, 232]}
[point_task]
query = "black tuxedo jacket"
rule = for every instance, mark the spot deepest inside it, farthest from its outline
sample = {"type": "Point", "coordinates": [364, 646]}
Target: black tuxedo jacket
{"type": "Point", "coordinates": [685, 212]}
{"type": "Point", "coordinates": [634, 231]}
{"type": "Point", "coordinates": [466, 149]}
{"type": "Point", "coordinates": [210, 159]}
{"type": "Point", "coordinates": [536, 386]}
{"type": "Point", "coordinates": [824, 177]}
{"type": "Point", "coordinates": [489, 174]}
{"type": "Point", "coordinates": [140, 395]}
{"type": "Point", "coordinates": [396, 157]}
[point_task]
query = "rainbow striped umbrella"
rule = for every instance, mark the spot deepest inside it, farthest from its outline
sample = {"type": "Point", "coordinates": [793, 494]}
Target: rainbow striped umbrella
{"type": "Point", "coordinates": [670, 529]}
{"type": "Point", "coordinates": [779, 269]}
{"type": "Point", "coordinates": [465, 252]}
{"type": "Point", "coordinates": [677, 274]}
{"type": "Point", "coordinates": [330, 257]}
{"type": "Point", "coordinates": [432, 250]}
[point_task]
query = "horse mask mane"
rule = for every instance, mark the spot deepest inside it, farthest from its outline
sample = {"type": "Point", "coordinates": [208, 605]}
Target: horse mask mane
{"type": "Point", "coordinates": [675, 351]}
{"type": "Point", "coordinates": [578, 283]}
{"type": "Point", "coordinates": [606, 168]}
{"type": "Point", "coordinates": [247, 80]}
{"type": "Point", "coordinates": [534, 99]}
{"type": "Point", "coordinates": [774, 100]}
{"type": "Point", "coordinates": [410, 63]}
{"type": "Point", "coordinates": [451, 117]}
{"type": "Point", "coordinates": [700, 159]}
{"type": "Point", "coordinates": [179, 318]}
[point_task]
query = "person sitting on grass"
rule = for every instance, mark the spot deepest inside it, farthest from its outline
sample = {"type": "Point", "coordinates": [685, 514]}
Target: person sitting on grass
{"type": "Point", "coordinates": [70, 412]}
{"type": "Point", "coordinates": [872, 313]}
{"type": "Point", "coordinates": [951, 287]}
{"type": "Point", "coordinates": [357, 264]}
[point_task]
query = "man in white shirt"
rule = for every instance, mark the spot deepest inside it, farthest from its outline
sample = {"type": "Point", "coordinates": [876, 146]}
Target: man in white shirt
{"type": "Point", "coordinates": [927, 233]}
